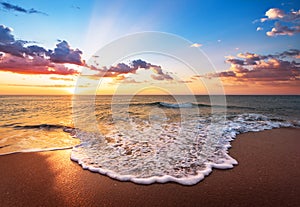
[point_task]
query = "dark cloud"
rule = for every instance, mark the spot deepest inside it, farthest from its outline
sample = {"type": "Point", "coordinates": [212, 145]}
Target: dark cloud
{"type": "Point", "coordinates": [33, 66]}
{"type": "Point", "coordinates": [15, 48]}
{"type": "Point", "coordinates": [18, 58]}
{"type": "Point", "coordinates": [285, 23]}
{"type": "Point", "coordinates": [121, 69]}
{"type": "Point", "coordinates": [62, 54]}
{"type": "Point", "coordinates": [11, 7]}
{"type": "Point", "coordinates": [5, 35]}
{"type": "Point", "coordinates": [235, 61]}
{"type": "Point", "coordinates": [291, 53]}
{"type": "Point", "coordinates": [227, 74]}
{"type": "Point", "coordinates": [263, 68]}
{"type": "Point", "coordinates": [136, 64]}
{"type": "Point", "coordinates": [36, 50]}
{"type": "Point", "coordinates": [279, 29]}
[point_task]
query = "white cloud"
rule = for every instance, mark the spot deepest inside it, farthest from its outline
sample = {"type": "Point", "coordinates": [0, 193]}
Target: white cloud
{"type": "Point", "coordinates": [286, 23]}
{"type": "Point", "coordinates": [275, 13]}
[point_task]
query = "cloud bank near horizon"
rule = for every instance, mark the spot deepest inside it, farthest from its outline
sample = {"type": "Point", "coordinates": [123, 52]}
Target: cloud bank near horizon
{"type": "Point", "coordinates": [118, 71]}
{"type": "Point", "coordinates": [252, 67]}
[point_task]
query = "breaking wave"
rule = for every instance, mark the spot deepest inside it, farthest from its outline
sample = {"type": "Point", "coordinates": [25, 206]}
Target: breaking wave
{"type": "Point", "coordinates": [168, 152]}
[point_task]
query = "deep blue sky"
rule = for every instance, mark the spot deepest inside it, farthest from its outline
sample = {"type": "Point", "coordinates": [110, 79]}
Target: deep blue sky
{"type": "Point", "coordinates": [204, 22]}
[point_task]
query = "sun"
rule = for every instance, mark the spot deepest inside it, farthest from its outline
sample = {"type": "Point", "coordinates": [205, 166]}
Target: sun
{"type": "Point", "coordinates": [70, 90]}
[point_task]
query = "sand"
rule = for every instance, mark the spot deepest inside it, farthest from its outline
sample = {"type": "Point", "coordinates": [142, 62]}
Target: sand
{"type": "Point", "coordinates": [268, 174]}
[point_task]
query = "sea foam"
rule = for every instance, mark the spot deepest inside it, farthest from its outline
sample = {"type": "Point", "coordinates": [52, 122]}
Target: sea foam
{"type": "Point", "coordinates": [182, 152]}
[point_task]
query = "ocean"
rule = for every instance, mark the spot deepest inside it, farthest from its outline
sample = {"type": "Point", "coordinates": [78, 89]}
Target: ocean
{"type": "Point", "coordinates": [143, 139]}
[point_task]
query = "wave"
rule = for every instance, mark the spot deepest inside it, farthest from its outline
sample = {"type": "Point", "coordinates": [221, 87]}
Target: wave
{"type": "Point", "coordinates": [183, 152]}
{"type": "Point", "coordinates": [67, 129]}
{"type": "Point", "coordinates": [176, 105]}
{"type": "Point", "coordinates": [188, 105]}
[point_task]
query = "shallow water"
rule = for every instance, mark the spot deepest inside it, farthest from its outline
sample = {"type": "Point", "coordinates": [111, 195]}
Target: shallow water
{"type": "Point", "coordinates": [144, 139]}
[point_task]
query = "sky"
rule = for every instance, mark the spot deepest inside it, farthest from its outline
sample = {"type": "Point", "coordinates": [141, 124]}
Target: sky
{"type": "Point", "coordinates": [56, 47]}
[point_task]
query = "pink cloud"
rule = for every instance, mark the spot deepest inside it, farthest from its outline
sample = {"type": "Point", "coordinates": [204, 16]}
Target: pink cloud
{"type": "Point", "coordinates": [283, 30]}
{"type": "Point", "coordinates": [17, 57]}
{"type": "Point", "coordinates": [251, 67]}
{"type": "Point", "coordinates": [34, 65]}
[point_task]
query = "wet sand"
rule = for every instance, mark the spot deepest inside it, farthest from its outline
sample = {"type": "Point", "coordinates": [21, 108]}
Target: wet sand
{"type": "Point", "coordinates": [268, 174]}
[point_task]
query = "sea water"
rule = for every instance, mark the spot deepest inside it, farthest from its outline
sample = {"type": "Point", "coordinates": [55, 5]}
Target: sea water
{"type": "Point", "coordinates": [144, 139]}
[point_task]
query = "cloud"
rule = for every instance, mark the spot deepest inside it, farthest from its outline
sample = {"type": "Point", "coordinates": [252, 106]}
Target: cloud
{"type": "Point", "coordinates": [275, 13]}
{"type": "Point", "coordinates": [47, 86]}
{"type": "Point", "coordinates": [17, 57]}
{"type": "Point", "coordinates": [130, 80]}
{"type": "Point", "coordinates": [278, 14]}
{"type": "Point", "coordinates": [11, 7]}
{"type": "Point", "coordinates": [196, 45]}
{"type": "Point", "coordinates": [290, 53]}
{"type": "Point", "coordinates": [285, 23]}
{"type": "Point", "coordinates": [63, 53]}
{"type": "Point", "coordinates": [119, 70]}
{"type": "Point", "coordinates": [259, 28]}
{"type": "Point", "coordinates": [33, 66]}
{"type": "Point", "coordinates": [251, 67]}
{"type": "Point", "coordinates": [63, 79]}
{"type": "Point", "coordinates": [235, 61]}
{"type": "Point", "coordinates": [186, 81]}
{"type": "Point", "coordinates": [283, 30]}
{"type": "Point", "coordinates": [5, 35]}
{"type": "Point", "coordinates": [161, 77]}
{"type": "Point", "coordinates": [121, 79]}
{"type": "Point", "coordinates": [140, 64]}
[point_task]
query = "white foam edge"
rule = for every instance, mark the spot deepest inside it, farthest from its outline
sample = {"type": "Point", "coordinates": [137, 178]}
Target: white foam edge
{"type": "Point", "coordinates": [228, 163]}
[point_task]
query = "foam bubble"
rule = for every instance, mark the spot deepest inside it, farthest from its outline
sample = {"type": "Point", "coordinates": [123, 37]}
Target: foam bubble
{"type": "Point", "coordinates": [167, 152]}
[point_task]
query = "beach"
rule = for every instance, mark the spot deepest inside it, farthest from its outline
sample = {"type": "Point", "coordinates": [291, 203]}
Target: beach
{"type": "Point", "coordinates": [268, 174]}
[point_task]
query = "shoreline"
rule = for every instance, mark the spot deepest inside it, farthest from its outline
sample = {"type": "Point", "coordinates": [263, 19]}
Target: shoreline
{"type": "Point", "coordinates": [268, 174]}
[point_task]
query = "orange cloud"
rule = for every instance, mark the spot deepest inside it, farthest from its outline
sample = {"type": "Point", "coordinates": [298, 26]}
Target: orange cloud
{"type": "Point", "coordinates": [262, 69]}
